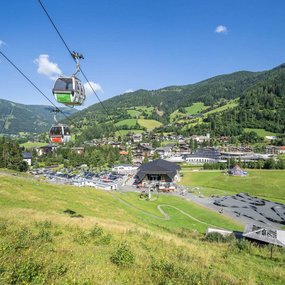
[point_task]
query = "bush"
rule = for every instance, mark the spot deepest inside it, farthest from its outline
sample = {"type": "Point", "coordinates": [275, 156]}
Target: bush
{"type": "Point", "coordinates": [104, 240]}
{"type": "Point", "coordinates": [123, 255]}
{"type": "Point", "coordinates": [81, 237]}
{"type": "Point", "coordinates": [96, 231]}
{"type": "Point", "coordinates": [26, 272]}
{"type": "Point", "coordinates": [217, 237]}
{"type": "Point", "coordinates": [167, 272]}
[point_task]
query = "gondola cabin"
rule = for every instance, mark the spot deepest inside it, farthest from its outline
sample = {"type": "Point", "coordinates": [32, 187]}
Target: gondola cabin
{"type": "Point", "coordinates": [69, 91]}
{"type": "Point", "coordinates": [59, 134]}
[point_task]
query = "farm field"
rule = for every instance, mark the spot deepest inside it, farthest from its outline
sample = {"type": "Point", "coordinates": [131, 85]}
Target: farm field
{"type": "Point", "coordinates": [260, 132]}
{"type": "Point", "coordinates": [149, 124]}
{"type": "Point", "coordinates": [127, 122]}
{"type": "Point", "coordinates": [134, 113]}
{"type": "Point", "coordinates": [111, 240]}
{"type": "Point", "coordinates": [196, 108]}
{"type": "Point", "coordinates": [28, 145]}
{"type": "Point", "coordinates": [124, 132]}
{"type": "Point", "coordinates": [269, 184]}
{"type": "Point", "coordinates": [231, 104]}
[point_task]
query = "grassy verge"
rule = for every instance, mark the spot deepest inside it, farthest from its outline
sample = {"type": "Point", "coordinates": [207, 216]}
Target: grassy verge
{"type": "Point", "coordinates": [268, 184]}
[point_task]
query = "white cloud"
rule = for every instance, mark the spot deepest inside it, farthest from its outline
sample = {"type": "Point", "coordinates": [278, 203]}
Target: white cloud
{"type": "Point", "coordinates": [2, 43]}
{"type": "Point", "coordinates": [221, 29]}
{"type": "Point", "coordinates": [46, 67]}
{"type": "Point", "coordinates": [96, 87]}
{"type": "Point", "coordinates": [129, 91]}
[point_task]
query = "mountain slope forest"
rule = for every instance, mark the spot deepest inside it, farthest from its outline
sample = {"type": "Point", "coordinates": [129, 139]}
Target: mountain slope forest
{"type": "Point", "coordinates": [244, 100]}
{"type": "Point", "coordinates": [15, 117]}
{"type": "Point", "coordinates": [241, 99]}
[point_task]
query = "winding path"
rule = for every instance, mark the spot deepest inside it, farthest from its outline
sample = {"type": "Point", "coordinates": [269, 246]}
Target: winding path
{"type": "Point", "coordinates": [160, 207]}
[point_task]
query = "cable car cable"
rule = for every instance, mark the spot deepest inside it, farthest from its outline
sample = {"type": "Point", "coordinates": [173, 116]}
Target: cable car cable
{"type": "Point", "coordinates": [71, 53]}
{"type": "Point", "coordinates": [34, 85]}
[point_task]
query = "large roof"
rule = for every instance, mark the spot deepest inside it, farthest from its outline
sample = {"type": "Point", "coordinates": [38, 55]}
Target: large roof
{"type": "Point", "coordinates": [158, 166]}
{"type": "Point", "coordinates": [265, 234]}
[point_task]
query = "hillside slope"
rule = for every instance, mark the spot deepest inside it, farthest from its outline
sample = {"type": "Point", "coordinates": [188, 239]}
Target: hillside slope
{"type": "Point", "coordinates": [116, 238]}
{"type": "Point", "coordinates": [17, 117]}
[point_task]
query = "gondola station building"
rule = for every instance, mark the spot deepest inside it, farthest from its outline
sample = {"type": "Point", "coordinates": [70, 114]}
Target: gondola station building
{"type": "Point", "coordinates": [158, 170]}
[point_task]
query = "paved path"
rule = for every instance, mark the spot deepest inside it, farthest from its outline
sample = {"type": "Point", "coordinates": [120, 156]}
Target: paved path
{"type": "Point", "coordinates": [160, 207]}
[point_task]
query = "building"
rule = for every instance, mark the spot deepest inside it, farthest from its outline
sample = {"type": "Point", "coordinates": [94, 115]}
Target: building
{"type": "Point", "coordinates": [164, 151]}
{"type": "Point", "coordinates": [203, 155]}
{"type": "Point", "coordinates": [271, 149]}
{"type": "Point", "coordinates": [265, 235]}
{"type": "Point", "coordinates": [237, 171]}
{"type": "Point", "coordinates": [137, 138]}
{"type": "Point", "coordinates": [78, 150]}
{"type": "Point", "coordinates": [43, 150]}
{"type": "Point", "coordinates": [27, 156]}
{"type": "Point", "coordinates": [158, 170]}
{"type": "Point", "coordinates": [124, 168]}
{"type": "Point", "coordinates": [200, 139]}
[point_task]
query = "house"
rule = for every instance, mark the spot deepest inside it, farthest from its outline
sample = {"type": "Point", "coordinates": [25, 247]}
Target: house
{"type": "Point", "coordinates": [43, 150]}
{"type": "Point", "coordinates": [164, 151]}
{"type": "Point", "coordinates": [124, 168]}
{"type": "Point", "coordinates": [78, 150]}
{"type": "Point", "coordinates": [27, 156]}
{"type": "Point", "coordinates": [271, 149]}
{"type": "Point", "coordinates": [158, 170]}
{"type": "Point", "coordinates": [200, 139]}
{"type": "Point", "coordinates": [144, 149]}
{"type": "Point", "coordinates": [137, 138]}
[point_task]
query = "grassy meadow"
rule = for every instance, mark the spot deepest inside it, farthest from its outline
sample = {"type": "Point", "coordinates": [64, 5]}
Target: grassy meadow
{"type": "Point", "coordinates": [196, 108]}
{"type": "Point", "coordinates": [269, 184]}
{"type": "Point", "coordinates": [116, 238]}
{"type": "Point", "coordinates": [149, 124]}
{"type": "Point", "coordinates": [260, 132]}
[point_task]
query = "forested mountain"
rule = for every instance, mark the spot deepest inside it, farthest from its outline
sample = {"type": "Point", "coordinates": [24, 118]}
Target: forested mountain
{"type": "Point", "coordinates": [227, 104]}
{"type": "Point", "coordinates": [231, 102]}
{"type": "Point", "coordinates": [15, 117]}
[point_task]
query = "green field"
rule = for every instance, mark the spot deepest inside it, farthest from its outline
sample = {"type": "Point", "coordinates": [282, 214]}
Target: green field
{"type": "Point", "coordinates": [149, 124]}
{"type": "Point", "coordinates": [229, 105]}
{"type": "Point", "coordinates": [134, 113]}
{"type": "Point", "coordinates": [115, 238]}
{"type": "Point", "coordinates": [28, 145]}
{"type": "Point", "coordinates": [127, 122]}
{"type": "Point", "coordinates": [260, 132]}
{"type": "Point", "coordinates": [147, 110]}
{"type": "Point", "coordinates": [124, 132]}
{"type": "Point", "coordinates": [196, 108]}
{"type": "Point", "coordinates": [269, 184]}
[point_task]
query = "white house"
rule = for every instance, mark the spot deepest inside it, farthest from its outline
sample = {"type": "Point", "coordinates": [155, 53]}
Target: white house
{"type": "Point", "coordinates": [124, 168]}
{"type": "Point", "coordinates": [27, 156]}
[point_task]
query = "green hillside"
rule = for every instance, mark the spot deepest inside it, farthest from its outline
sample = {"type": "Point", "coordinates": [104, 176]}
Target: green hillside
{"type": "Point", "coordinates": [116, 238]}
{"type": "Point", "coordinates": [149, 124]}
{"type": "Point", "coordinates": [15, 117]}
{"type": "Point", "coordinates": [195, 108]}
{"type": "Point", "coordinates": [242, 99]}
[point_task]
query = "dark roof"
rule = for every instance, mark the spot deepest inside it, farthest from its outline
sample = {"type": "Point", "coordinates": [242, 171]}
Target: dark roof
{"type": "Point", "coordinates": [158, 166]}
{"type": "Point", "coordinates": [27, 155]}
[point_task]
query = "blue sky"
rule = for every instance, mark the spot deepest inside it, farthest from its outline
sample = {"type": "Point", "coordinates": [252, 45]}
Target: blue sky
{"type": "Point", "coordinates": [134, 44]}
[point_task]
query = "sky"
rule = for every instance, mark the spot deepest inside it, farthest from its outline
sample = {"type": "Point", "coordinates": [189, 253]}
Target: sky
{"type": "Point", "coordinates": [135, 44]}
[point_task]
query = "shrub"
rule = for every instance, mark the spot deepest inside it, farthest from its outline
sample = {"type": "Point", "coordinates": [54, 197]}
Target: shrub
{"type": "Point", "coordinates": [104, 240]}
{"type": "Point", "coordinates": [217, 237]}
{"type": "Point", "coordinates": [81, 237]}
{"type": "Point", "coordinates": [123, 255]}
{"type": "Point", "coordinates": [96, 231]}
{"type": "Point", "coordinates": [243, 245]}
{"type": "Point", "coordinates": [26, 272]}
{"type": "Point", "coordinates": [167, 272]}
